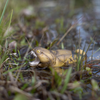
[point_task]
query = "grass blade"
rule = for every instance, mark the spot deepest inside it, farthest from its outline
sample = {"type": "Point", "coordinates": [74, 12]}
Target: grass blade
{"type": "Point", "coordinates": [10, 18]}
{"type": "Point", "coordinates": [3, 11]}
{"type": "Point", "coordinates": [11, 70]}
{"type": "Point", "coordinates": [66, 80]}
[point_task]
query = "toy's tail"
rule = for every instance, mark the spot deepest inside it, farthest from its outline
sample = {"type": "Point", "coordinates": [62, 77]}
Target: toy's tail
{"type": "Point", "coordinates": [80, 53]}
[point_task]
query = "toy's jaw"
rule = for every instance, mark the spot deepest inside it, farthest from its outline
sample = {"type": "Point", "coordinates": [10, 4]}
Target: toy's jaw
{"type": "Point", "coordinates": [36, 61]}
{"type": "Point", "coordinates": [33, 53]}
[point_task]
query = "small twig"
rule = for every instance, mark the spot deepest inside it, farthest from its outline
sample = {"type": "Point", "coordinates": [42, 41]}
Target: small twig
{"type": "Point", "coordinates": [73, 26]}
{"type": "Point", "coordinates": [25, 71]}
{"type": "Point", "coordinates": [15, 89]}
{"type": "Point", "coordinates": [2, 82]}
{"type": "Point", "coordinates": [73, 85]}
{"type": "Point", "coordinates": [40, 82]}
{"type": "Point", "coordinates": [50, 96]}
{"type": "Point", "coordinates": [12, 79]}
{"type": "Point", "coordinates": [43, 33]}
{"type": "Point", "coordinates": [4, 62]}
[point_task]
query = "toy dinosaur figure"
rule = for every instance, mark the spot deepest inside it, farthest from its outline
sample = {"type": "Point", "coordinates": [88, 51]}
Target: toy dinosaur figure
{"type": "Point", "coordinates": [53, 58]}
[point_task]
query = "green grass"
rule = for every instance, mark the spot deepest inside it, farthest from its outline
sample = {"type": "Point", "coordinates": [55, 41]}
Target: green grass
{"type": "Point", "coordinates": [4, 56]}
{"type": "Point", "coordinates": [66, 81]}
{"type": "Point", "coordinates": [3, 11]}
{"type": "Point", "coordinates": [1, 24]}
{"type": "Point", "coordinates": [5, 23]}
